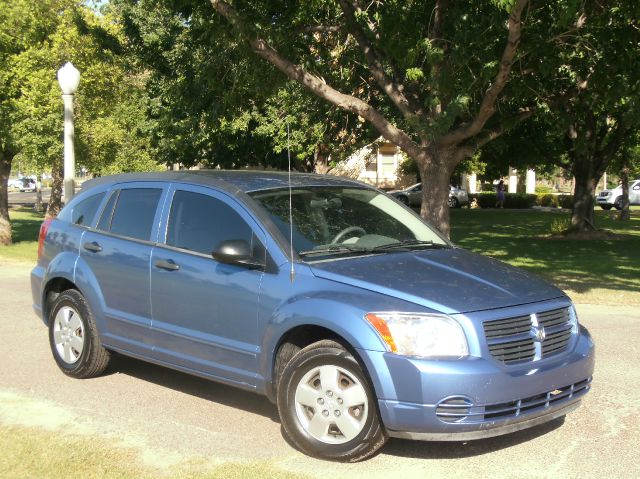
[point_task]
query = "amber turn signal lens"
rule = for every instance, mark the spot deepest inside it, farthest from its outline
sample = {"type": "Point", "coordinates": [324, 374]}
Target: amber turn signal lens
{"type": "Point", "coordinates": [383, 330]}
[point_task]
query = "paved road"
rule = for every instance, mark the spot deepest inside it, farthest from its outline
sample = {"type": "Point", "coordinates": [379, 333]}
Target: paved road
{"type": "Point", "coordinates": [173, 417]}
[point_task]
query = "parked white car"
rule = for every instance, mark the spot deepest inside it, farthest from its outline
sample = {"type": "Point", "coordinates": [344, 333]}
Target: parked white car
{"type": "Point", "coordinates": [22, 184]}
{"type": "Point", "coordinates": [613, 198]}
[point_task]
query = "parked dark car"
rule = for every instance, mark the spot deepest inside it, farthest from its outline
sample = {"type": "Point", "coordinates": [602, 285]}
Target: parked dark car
{"type": "Point", "coordinates": [356, 318]}
{"type": "Point", "coordinates": [412, 196]}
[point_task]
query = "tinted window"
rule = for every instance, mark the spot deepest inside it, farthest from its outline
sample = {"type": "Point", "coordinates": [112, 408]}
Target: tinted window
{"type": "Point", "coordinates": [134, 212]}
{"type": "Point", "coordinates": [84, 212]}
{"type": "Point", "coordinates": [199, 223]}
{"type": "Point", "coordinates": [105, 218]}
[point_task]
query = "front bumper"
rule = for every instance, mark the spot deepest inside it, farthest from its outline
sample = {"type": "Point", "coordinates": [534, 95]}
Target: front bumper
{"type": "Point", "coordinates": [473, 398]}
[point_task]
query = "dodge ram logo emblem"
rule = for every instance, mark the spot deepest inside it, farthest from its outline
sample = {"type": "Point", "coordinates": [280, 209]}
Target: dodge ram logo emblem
{"type": "Point", "coordinates": [538, 333]}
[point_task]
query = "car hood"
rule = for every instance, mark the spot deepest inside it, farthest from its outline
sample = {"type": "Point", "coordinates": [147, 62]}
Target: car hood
{"type": "Point", "coordinates": [445, 280]}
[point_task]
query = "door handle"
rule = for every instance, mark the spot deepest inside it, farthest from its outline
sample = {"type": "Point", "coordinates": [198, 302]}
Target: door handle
{"type": "Point", "coordinates": [93, 246]}
{"type": "Point", "coordinates": [169, 265]}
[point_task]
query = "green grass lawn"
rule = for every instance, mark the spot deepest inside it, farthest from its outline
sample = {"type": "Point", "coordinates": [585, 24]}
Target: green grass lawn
{"type": "Point", "coordinates": [581, 266]}
{"type": "Point", "coordinates": [25, 226]}
{"type": "Point", "coordinates": [515, 236]}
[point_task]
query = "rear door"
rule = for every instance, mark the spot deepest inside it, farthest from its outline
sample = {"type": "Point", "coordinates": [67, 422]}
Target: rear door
{"type": "Point", "coordinates": [205, 312]}
{"type": "Point", "coordinates": [118, 253]}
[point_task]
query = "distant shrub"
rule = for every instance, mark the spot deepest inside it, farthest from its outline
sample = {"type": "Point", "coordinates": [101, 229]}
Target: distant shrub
{"type": "Point", "coordinates": [565, 201]}
{"type": "Point", "coordinates": [547, 200]}
{"type": "Point", "coordinates": [512, 200]}
{"type": "Point", "coordinates": [560, 225]}
{"type": "Point", "coordinates": [543, 189]}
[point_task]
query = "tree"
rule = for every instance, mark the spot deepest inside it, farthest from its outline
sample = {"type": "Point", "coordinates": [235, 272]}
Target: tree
{"type": "Point", "coordinates": [212, 104]}
{"type": "Point", "coordinates": [427, 75]}
{"type": "Point", "coordinates": [110, 123]}
{"type": "Point", "coordinates": [589, 92]}
{"type": "Point", "coordinates": [23, 24]}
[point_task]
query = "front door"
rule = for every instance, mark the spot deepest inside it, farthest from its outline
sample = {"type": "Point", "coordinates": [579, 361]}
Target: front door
{"type": "Point", "coordinates": [205, 312]}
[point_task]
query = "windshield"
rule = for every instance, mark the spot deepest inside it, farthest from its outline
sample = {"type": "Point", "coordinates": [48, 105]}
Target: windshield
{"type": "Point", "coordinates": [338, 221]}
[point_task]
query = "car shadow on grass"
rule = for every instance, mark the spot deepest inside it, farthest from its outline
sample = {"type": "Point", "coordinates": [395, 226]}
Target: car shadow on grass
{"type": "Point", "coordinates": [195, 386]}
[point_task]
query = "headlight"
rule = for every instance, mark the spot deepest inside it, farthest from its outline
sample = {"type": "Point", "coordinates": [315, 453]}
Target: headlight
{"type": "Point", "coordinates": [417, 334]}
{"type": "Point", "coordinates": [573, 319]}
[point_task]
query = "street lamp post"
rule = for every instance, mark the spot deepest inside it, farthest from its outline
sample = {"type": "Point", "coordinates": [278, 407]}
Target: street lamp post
{"type": "Point", "coordinates": [68, 78]}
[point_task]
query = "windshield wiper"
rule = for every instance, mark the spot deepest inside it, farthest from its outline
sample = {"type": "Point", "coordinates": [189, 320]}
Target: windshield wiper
{"type": "Point", "coordinates": [409, 245]}
{"type": "Point", "coordinates": [335, 249]}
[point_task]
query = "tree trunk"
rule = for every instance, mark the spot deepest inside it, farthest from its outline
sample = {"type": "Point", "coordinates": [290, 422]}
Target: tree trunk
{"type": "Point", "coordinates": [55, 201]}
{"type": "Point", "coordinates": [5, 223]}
{"type": "Point", "coordinates": [584, 193]}
{"type": "Point", "coordinates": [321, 165]}
{"type": "Point", "coordinates": [436, 167]}
{"type": "Point", "coordinates": [624, 178]}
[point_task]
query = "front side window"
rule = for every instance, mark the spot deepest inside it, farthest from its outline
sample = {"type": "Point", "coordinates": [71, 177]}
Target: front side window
{"type": "Point", "coordinates": [199, 223]}
{"type": "Point", "coordinates": [135, 209]}
{"type": "Point", "coordinates": [332, 221]}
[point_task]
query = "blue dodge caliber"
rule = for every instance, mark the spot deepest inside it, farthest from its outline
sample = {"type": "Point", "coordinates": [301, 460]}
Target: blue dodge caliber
{"type": "Point", "coordinates": [340, 304]}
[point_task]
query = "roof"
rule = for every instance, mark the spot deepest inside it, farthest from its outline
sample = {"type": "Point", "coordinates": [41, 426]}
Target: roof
{"type": "Point", "coordinates": [244, 180]}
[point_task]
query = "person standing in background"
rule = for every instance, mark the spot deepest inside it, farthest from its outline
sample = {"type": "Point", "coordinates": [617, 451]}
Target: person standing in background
{"type": "Point", "coordinates": [500, 194]}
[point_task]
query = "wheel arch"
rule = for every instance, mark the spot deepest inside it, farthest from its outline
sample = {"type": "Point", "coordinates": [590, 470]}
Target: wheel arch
{"type": "Point", "coordinates": [52, 289]}
{"type": "Point", "coordinates": [300, 336]}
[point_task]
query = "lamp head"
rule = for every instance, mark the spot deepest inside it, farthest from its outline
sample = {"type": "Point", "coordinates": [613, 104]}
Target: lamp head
{"type": "Point", "coordinates": [68, 78]}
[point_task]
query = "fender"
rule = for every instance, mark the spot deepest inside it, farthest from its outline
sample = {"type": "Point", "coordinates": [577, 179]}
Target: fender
{"type": "Point", "coordinates": [343, 319]}
{"type": "Point", "coordinates": [89, 286]}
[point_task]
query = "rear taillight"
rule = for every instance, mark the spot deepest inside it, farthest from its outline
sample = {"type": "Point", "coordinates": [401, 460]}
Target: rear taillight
{"type": "Point", "coordinates": [44, 227]}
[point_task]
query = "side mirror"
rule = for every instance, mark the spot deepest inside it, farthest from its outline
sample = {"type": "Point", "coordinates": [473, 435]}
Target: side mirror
{"type": "Point", "coordinates": [236, 252]}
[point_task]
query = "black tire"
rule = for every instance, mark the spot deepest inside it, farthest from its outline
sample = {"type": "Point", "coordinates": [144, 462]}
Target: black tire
{"type": "Point", "coordinates": [606, 207]}
{"type": "Point", "coordinates": [453, 202]}
{"type": "Point", "coordinates": [404, 200]}
{"type": "Point", "coordinates": [304, 365]}
{"type": "Point", "coordinates": [618, 203]}
{"type": "Point", "coordinates": [71, 323]}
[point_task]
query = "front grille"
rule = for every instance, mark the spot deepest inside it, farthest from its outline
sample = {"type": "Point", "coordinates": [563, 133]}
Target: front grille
{"type": "Point", "coordinates": [461, 410]}
{"type": "Point", "coordinates": [511, 340]}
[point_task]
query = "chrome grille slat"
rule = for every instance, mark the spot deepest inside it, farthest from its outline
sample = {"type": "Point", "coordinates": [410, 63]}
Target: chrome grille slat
{"type": "Point", "coordinates": [510, 339]}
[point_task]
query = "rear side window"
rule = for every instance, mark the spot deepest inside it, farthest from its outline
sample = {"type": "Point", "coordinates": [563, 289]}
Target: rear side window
{"type": "Point", "coordinates": [199, 223]}
{"type": "Point", "coordinates": [134, 212]}
{"type": "Point", "coordinates": [84, 212]}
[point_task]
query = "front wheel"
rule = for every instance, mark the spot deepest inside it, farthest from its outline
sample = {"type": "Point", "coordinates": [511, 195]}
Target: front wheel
{"type": "Point", "coordinates": [452, 202]}
{"type": "Point", "coordinates": [327, 406]}
{"type": "Point", "coordinates": [619, 203]}
{"type": "Point", "coordinates": [605, 207]}
{"type": "Point", "coordinates": [73, 337]}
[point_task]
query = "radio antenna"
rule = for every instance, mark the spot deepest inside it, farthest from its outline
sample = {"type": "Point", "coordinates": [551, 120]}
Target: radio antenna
{"type": "Point", "coordinates": [292, 273]}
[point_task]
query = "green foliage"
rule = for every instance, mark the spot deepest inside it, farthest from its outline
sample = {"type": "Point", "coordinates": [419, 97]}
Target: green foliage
{"type": "Point", "coordinates": [111, 125]}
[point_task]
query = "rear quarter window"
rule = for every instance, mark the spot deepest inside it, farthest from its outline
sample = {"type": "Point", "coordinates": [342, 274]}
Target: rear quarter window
{"type": "Point", "coordinates": [84, 212]}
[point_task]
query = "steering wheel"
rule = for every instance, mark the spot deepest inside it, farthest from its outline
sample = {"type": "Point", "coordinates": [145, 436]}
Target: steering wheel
{"type": "Point", "coordinates": [346, 231]}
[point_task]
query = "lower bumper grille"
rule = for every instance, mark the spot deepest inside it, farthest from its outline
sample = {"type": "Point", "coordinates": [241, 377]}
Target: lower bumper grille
{"type": "Point", "coordinates": [460, 409]}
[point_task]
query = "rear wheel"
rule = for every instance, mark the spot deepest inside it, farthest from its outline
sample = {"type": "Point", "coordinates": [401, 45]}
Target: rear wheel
{"type": "Point", "coordinates": [605, 207]}
{"type": "Point", "coordinates": [327, 406]}
{"type": "Point", "coordinates": [452, 201]}
{"type": "Point", "coordinates": [73, 337]}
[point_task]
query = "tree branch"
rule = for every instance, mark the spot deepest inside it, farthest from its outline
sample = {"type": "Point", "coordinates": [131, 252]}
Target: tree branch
{"type": "Point", "coordinates": [319, 29]}
{"type": "Point", "coordinates": [393, 89]}
{"type": "Point", "coordinates": [346, 102]}
{"type": "Point", "coordinates": [492, 134]}
{"type": "Point", "coordinates": [487, 105]}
